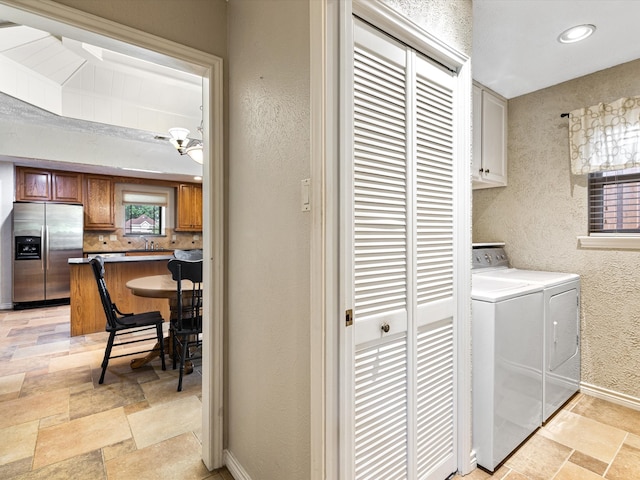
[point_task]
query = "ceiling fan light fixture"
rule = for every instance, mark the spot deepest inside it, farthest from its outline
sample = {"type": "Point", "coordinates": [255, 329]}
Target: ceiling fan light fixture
{"type": "Point", "coordinates": [178, 137]}
{"type": "Point", "coordinates": [195, 152]}
{"type": "Point", "coordinates": [185, 145]}
{"type": "Point", "coordinates": [577, 33]}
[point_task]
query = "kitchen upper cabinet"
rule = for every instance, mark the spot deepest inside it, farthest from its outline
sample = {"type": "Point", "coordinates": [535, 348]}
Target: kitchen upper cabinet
{"type": "Point", "coordinates": [66, 187]}
{"type": "Point", "coordinates": [489, 139]}
{"type": "Point", "coordinates": [99, 213]}
{"type": "Point", "coordinates": [48, 186]}
{"type": "Point", "coordinates": [189, 208]}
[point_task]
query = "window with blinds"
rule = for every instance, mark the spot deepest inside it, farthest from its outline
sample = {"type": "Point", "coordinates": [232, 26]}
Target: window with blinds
{"type": "Point", "coordinates": [614, 201]}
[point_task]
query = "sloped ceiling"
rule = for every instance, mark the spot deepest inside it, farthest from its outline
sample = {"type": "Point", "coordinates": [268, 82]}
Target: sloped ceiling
{"type": "Point", "coordinates": [52, 82]}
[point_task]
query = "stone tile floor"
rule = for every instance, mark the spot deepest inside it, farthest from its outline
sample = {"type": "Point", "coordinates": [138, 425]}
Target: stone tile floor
{"type": "Point", "coordinates": [57, 422]}
{"type": "Point", "coordinates": [589, 439]}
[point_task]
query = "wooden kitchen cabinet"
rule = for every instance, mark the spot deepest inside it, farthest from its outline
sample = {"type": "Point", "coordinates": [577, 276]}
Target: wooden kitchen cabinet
{"type": "Point", "coordinates": [489, 139]}
{"type": "Point", "coordinates": [99, 208]}
{"type": "Point", "coordinates": [37, 185]}
{"type": "Point", "coordinates": [66, 187]}
{"type": "Point", "coordinates": [189, 208]}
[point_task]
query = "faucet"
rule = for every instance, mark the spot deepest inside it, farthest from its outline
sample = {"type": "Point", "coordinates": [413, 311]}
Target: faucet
{"type": "Point", "coordinates": [146, 243]}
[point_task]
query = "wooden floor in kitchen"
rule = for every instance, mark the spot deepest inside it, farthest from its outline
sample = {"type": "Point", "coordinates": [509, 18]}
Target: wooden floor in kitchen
{"type": "Point", "coordinates": [57, 422]}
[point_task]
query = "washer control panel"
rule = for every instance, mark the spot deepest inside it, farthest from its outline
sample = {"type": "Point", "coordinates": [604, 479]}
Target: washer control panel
{"type": "Point", "coordinates": [489, 257]}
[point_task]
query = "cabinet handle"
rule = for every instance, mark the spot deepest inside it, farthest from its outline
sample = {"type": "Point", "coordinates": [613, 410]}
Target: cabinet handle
{"type": "Point", "coordinates": [486, 171]}
{"type": "Point", "coordinates": [385, 327]}
{"type": "Point", "coordinates": [481, 170]}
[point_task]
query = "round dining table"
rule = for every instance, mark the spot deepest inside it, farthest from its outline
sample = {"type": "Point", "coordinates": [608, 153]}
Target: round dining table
{"type": "Point", "coordinates": [158, 286]}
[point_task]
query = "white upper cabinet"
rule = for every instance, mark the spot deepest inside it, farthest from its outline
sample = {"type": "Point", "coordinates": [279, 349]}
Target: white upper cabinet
{"type": "Point", "coordinates": [489, 139]}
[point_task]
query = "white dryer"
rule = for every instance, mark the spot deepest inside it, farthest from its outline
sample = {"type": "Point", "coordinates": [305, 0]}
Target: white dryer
{"type": "Point", "coordinates": [507, 366]}
{"type": "Point", "coordinates": [561, 324]}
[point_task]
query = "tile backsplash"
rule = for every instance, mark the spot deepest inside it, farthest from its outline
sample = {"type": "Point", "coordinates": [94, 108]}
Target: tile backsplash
{"type": "Point", "coordinates": [183, 241]}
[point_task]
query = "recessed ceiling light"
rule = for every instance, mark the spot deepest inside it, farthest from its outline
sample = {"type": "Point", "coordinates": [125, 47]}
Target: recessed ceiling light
{"type": "Point", "coordinates": [577, 33]}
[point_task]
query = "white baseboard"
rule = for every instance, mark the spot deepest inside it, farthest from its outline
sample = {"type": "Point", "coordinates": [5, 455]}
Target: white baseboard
{"type": "Point", "coordinates": [610, 395]}
{"type": "Point", "coordinates": [234, 467]}
{"type": "Point", "coordinates": [6, 306]}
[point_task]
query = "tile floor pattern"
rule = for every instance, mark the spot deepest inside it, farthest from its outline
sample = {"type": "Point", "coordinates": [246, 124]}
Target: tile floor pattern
{"type": "Point", "coordinates": [57, 422]}
{"type": "Point", "coordinates": [589, 439]}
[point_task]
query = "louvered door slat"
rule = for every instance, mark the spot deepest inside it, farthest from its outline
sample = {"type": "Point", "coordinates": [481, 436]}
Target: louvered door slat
{"type": "Point", "coordinates": [434, 396]}
{"type": "Point", "coordinates": [380, 211]}
{"type": "Point", "coordinates": [381, 411]}
{"type": "Point", "coordinates": [434, 190]}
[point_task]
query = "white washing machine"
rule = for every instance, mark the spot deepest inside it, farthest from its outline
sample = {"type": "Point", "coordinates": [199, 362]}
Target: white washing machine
{"type": "Point", "coordinates": [561, 323]}
{"type": "Point", "coordinates": [507, 366]}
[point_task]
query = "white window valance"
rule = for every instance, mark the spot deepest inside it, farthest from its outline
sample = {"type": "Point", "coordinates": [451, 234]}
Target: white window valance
{"type": "Point", "coordinates": [144, 198]}
{"type": "Point", "coordinates": [605, 136]}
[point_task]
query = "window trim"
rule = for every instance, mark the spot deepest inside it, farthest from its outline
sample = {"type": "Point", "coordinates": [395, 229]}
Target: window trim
{"type": "Point", "coordinates": [610, 242]}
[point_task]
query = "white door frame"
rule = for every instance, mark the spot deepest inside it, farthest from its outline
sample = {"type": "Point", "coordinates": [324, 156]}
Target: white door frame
{"type": "Point", "coordinates": [326, 20]}
{"type": "Point", "coordinates": [45, 14]}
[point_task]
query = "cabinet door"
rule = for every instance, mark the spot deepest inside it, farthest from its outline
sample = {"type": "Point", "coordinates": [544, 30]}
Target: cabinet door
{"type": "Point", "coordinates": [99, 203]}
{"type": "Point", "coordinates": [494, 138]}
{"type": "Point", "coordinates": [33, 185]}
{"type": "Point", "coordinates": [196, 207]}
{"type": "Point", "coordinates": [189, 208]}
{"type": "Point", "coordinates": [66, 187]}
{"type": "Point", "coordinates": [476, 167]}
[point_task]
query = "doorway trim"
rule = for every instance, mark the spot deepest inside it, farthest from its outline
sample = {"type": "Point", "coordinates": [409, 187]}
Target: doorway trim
{"type": "Point", "coordinates": [80, 25]}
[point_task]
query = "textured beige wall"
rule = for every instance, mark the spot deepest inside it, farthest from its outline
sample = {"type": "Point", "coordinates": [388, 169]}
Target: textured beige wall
{"type": "Point", "coordinates": [268, 253]}
{"type": "Point", "coordinates": [450, 20]}
{"type": "Point", "coordinates": [199, 24]}
{"type": "Point", "coordinates": [544, 208]}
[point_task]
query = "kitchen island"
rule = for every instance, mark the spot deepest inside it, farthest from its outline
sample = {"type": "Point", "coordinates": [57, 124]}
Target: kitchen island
{"type": "Point", "coordinates": [87, 314]}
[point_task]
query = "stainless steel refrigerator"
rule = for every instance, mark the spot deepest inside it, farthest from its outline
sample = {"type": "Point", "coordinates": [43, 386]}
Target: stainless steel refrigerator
{"type": "Point", "coordinates": [45, 236]}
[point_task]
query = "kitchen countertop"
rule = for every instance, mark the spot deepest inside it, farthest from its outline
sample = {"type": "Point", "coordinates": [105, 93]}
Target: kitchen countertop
{"type": "Point", "coordinates": [168, 250]}
{"type": "Point", "coordinates": [133, 258]}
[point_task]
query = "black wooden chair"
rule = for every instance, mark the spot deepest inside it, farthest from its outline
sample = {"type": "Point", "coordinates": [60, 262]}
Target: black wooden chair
{"type": "Point", "coordinates": [120, 324]}
{"type": "Point", "coordinates": [187, 326]}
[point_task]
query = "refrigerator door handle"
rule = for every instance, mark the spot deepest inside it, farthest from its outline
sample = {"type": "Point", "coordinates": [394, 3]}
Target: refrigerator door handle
{"type": "Point", "coordinates": [45, 247]}
{"type": "Point", "coordinates": [46, 242]}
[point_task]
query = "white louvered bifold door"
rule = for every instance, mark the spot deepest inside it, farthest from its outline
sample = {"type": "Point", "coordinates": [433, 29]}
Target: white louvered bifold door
{"type": "Point", "coordinates": [433, 320]}
{"type": "Point", "coordinates": [401, 228]}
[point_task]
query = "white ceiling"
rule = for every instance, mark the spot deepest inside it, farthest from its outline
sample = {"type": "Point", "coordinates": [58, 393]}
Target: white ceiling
{"type": "Point", "coordinates": [515, 47]}
{"type": "Point", "coordinates": [59, 86]}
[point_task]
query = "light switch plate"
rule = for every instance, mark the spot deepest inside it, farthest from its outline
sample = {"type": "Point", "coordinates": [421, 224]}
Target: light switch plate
{"type": "Point", "coordinates": [305, 197]}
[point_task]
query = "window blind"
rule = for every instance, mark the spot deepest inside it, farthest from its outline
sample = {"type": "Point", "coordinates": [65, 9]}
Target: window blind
{"type": "Point", "coordinates": [144, 198]}
{"type": "Point", "coordinates": [614, 201]}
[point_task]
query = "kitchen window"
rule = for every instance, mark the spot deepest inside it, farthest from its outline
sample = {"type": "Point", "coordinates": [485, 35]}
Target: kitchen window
{"type": "Point", "coordinates": [144, 213]}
